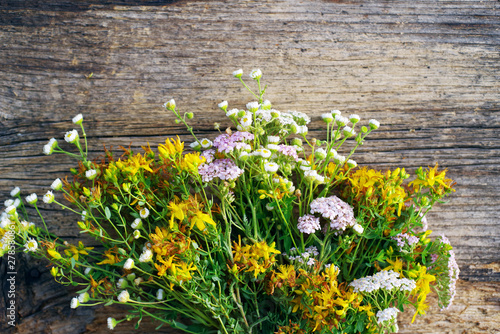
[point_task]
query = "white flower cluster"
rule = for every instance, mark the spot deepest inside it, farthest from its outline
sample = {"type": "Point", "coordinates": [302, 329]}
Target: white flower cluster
{"type": "Point", "coordinates": [306, 258]}
{"type": "Point", "coordinates": [385, 280]}
{"type": "Point", "coordinates": [389, 314]}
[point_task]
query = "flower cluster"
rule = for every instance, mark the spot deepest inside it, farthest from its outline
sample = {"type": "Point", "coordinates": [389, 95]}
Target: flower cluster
{"type": "Point", "coordinates": [224, 237]}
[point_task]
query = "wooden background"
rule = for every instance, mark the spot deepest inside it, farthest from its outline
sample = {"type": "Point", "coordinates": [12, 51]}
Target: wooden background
{"type": "Point", "coordinates": [428, 70]}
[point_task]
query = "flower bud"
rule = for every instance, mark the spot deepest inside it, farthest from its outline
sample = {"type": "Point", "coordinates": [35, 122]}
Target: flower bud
{"type": "Point", "coordinates": [189, 115]}
{"type": "Point", "coordinates": [78, 119]}
{"type": "Point", "coordinates": [170, 105]}
{"type": "Point", "coordinates": [266, 105]}
{"type": "Point", "coordinates": [223, 105]}
{"type": "Point", "coordinates": [48, 197]}
{"type": "Point", "coordinates": [32, 199]}
{"type": "Point", "coordinates": [238, 73]}
{"type": "Point", "coordinates": [327, 118]}
{"type": "Point", "coordinates": [320, 154]}
{"type": "Point", "coordinates": [374, 124]}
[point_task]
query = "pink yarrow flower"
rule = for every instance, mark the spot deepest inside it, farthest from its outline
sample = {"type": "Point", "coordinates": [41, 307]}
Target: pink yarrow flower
{"type": "Point", "coordinates": [236, 141]}
{"type": "Point", "coordinates": [338, 212]}
{"type": "Point", "coordinates": [224, 169]}
{"type": "Point", "coordinates": [308, 224]}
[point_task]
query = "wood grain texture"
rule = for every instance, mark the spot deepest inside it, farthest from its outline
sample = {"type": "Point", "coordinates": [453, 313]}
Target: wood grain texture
{"type": "Point", "coordinates": [428, 70]}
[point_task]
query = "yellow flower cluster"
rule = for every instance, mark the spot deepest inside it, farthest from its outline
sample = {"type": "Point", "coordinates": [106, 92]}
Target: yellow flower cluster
{"type": "Point", "coordinates": [322, 300]}
{"type": "Point", "coordinates": [256, 258]}
{"type": "Point", "coordinates": [422, 289]}
{"type": "Point", "coordinates": [433, 180]}
{"type": "Point", "coordinates": [379, 189]}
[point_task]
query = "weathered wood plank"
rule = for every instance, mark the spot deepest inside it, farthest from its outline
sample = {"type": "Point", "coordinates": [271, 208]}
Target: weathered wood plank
{"type": "Point", "coordinates": [428, 70]}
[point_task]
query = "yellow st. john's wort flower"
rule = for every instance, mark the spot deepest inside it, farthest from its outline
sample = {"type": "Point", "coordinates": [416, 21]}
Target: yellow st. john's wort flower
{"type": "Point", "coordinates": [111, 256]}
{"type": "Point", "coordinates": [432, 179]}
{"type": "Point", "coordinates": [396, 265]}
{"type": "Point", "coordinates": [256, 258]}
{"type": "Point", "coordinates": [74, 251]}
{"type": "Point", "coordinates": [171, 149]}
{"type": "Point", "coordinates": [133, 164]}
{"type": "Point", "coordinates": [422, 281]}
{"type": "Point", "coordinates": [200, 219]}
{"type": "Point", "coordinates": [191, 161]}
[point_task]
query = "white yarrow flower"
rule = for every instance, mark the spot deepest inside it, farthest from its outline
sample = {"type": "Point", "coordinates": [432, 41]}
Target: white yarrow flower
{"type": "Point", "coordinates": [48, 197]}
{"type": "Point", "coordinates": [78, 119]}
{"type": "Point", "coordinates": [71, 136]}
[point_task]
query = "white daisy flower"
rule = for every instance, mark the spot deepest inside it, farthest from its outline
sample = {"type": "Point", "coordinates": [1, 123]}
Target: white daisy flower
{"type": "Point", "coordinates": [232, 113]}
{"type": "Point", "coordinates": [266, 105]}
{"type": "Point", "coordinates": [31, 245]}
{"type": "Point", "coordinates": [320, 153]}
{"type": "Point", "coordinates": [71, 136]}
{"type": "Point", "coordinates": [351, 163]}
{"type": "Point", "coordinates": [354, 118]}
{"type": "Point", "coordinates": [52, 143]}
{"type": "Point", "coordinates": [56, 185]}
{"type": "Point", "coordinates": [256, 74]}
{"type": "Point", "coordinates": [374, 124]}
{"type": "Point", "coordinates": [245, 122]}
{"type": "Point", "coordinates": [358, 229]}
{"type": "Point", "coordinates": [47, 149]}
{"type": "Point", "coordinates": [206, 143]}
{"type": "Point", "coordinates": [112, 323]}
{"type": "Point", "coordinates": [74, 302]}
{"type": "Point", "coordinates": [170, 105]}
{"type": "Point", "coordinates": [273, 139]}
{"type": "Point", "coordinates": [78, 119]}
{"type": "Point", "coordinates": [271, 167]}
{"type": "Point", "coordinates": [253, 106]}
{"type": "Point", "coordinates": [238, 73]}
{"type": "Point", "coordinates": [223, 105]}
{"type": "Point", "coordinates": [91, 174]}
{"type": "Point", "coordinates": [146, 256]}
{"type": "Point", "coordinates": [14, 192]}
{"type": "Point", "coordinates": [48, 197]}
{"type": "Point", "coordinates": [160, 294]}
{"type": "Point", "coordinates": [327, 118]}
{"type": "Point", "coordinates": [137, 234]}
{"type": "Point", "coordinates": [348, 131]}
{"type": "Point", "coordinates": [83, 297]}
{"type": "Point", "coordinates": [124, 296]}
{"type": "Point", "coordinates": [8, 202]}
{"type": "Point", "coordinates": [136, 224]}
{"type": "Point", "coordinates": [195, 145]}
{"type": "Point", "coordinates": [32, 199]}
{"type": "Point", "coordinates": [129, 264]}
{"type": "Point", "coordinates": [144, 213]}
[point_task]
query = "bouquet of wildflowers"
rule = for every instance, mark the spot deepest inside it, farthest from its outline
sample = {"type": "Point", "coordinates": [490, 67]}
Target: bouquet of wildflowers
{"type": "Point", "coordinates": [261, 229]}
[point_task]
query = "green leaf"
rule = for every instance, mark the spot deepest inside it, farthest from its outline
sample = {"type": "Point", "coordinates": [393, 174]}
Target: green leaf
{"type": "Point", "coordinates": [73, 262]}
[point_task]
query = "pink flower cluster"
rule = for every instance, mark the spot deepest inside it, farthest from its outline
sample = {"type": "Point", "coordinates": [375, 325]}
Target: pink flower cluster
{"type": "Point", "coordinates": [339, 213]}
{"type": "Point", "coordinates": [224, 169]}
{"type": "Point", "coordinates": [308, 224]}
{"type": "Point", "coordinates": [228, 143]}
{"type": "Point", "coordinates": [404, 239]}
{"type": "Point", "coordinates": [453, 272]}
{"type": "Point", "coordinates": [288, 151]}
